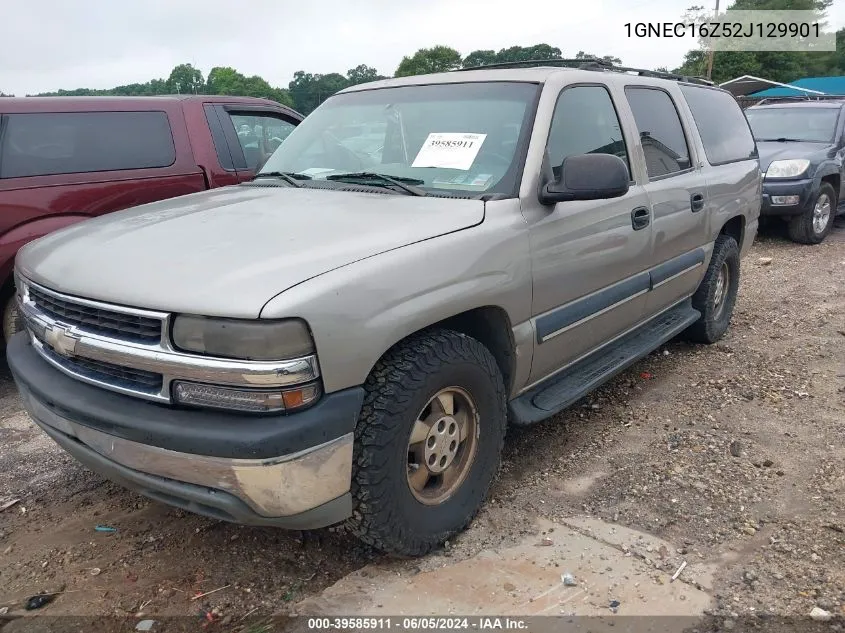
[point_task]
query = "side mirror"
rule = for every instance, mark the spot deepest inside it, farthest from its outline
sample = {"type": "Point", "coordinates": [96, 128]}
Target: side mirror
{"type": "Point", "coordinates": [587, 177]}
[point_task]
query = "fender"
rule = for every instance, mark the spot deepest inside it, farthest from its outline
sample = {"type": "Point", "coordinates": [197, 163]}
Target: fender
{"type": "Point", "coordinates": [831, 167]}
{"type": "Point", "coordinates": [14, 239]}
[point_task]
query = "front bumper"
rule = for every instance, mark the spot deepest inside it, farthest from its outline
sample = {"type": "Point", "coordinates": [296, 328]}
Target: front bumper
{"type": "Point", "coordinates": [291, 471]}
{"type": "Point", "coordinates": [803, 189]}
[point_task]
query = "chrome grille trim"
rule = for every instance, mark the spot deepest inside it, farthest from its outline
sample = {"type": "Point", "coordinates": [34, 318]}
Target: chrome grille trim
{"type": "Point", "coordinates": [83, 373]}
{"type": "Point", "coordinates": [132, 367]}
{"type": "Point", "coordinates": [95, 319]}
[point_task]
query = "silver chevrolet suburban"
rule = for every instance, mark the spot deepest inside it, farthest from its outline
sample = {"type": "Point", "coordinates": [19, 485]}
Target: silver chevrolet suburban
{"type": "Point", "coordinates": [422, 261]}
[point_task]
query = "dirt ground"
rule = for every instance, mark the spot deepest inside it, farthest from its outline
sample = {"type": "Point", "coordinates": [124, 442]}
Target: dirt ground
{"type": "Point", "coordinates": [732, 453]}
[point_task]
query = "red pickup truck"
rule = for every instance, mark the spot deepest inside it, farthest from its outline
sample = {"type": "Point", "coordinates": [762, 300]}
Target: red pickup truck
{"type": "Point", "coordinates": [65, 159]}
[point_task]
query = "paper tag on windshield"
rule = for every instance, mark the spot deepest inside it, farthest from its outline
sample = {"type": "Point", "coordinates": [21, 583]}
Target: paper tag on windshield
{"type": "Point", "coordinates": [449, 150]}
{"type": "Point", "coordinates": [317, 171]}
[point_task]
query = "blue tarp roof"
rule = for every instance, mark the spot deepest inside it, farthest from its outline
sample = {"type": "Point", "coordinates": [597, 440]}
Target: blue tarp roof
{"type": "Point", "coordinates": [827, 85]}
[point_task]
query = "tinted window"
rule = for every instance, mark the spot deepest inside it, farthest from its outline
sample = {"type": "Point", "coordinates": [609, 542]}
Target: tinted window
{"type": "Point", "coordinates": [584, 122]}
{"type": "Point", "coordinates": [815, 125]}
{"type": "Point", "coordinates": [259, 136]}
{"type": "Point", "coordinates": [661, 132]}
{"type": "Point", "coordinates": [721, 124]}
{"type": "Point", "coordinates": [67, 143]}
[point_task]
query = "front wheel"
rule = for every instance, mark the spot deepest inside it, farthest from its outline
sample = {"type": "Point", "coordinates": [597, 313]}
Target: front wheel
{"type": "Point", "coordinates": [11, 318]}
{"type": "Point", "coordinates": [812, 226]}
{"type": "Point", "coordinates": [716, 295]}
{"type": "Point", "coordinates": [428, 443]}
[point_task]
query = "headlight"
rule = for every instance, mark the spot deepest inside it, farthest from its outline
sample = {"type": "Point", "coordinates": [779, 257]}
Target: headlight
{"type": "Point", "coordinates": [787, 168]}
{"type": "Point", "coordinates": [243, 339]}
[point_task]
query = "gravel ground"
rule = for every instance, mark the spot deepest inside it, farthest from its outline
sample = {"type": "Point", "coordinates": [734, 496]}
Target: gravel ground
{"type": "Point", "coordinates": [734, 452]}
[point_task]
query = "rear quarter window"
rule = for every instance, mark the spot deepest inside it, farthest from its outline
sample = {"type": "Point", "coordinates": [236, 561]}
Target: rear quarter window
{"type": "Point", "coordinates": [42, 144]}
{"type": "Point", "coordinates": [721, 124]}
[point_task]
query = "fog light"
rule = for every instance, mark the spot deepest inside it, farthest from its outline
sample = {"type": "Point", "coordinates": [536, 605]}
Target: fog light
{"type": "Point", "coordinates": [785, 200]}
{"type": "Point", "coordinates": [251, 400]}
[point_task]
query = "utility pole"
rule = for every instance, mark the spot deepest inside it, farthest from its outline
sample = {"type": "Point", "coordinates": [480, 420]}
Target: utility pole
{"type": "Point", "coordinates": [710, 52]}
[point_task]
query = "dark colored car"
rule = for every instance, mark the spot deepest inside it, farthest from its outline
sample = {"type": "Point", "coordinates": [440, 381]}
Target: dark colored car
{"type": "Point", "coordinates": [802, 156]}
{"type": "Point", "coordinates": [66, 159]}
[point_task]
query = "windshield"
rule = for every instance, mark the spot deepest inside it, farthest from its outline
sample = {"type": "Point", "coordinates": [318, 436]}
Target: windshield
{"type": "Point", "coordinates": [462, 138]}
{"type": "Point", "coordinates": [815, 125]}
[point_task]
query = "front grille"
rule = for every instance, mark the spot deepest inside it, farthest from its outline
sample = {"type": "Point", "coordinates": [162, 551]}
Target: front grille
{"type": "Point", "coordinates": [116, 375]}
{"type": "Point", "coordinates": [127, 327]}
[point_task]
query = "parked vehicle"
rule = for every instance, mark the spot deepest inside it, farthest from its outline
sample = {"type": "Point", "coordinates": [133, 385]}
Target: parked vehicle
{"type": "Point", "coordinates": [346, 336]}
{"type": "Point", "coordinates": [802, 155]}
{"type": "Point", "coordinates": [66, 159]}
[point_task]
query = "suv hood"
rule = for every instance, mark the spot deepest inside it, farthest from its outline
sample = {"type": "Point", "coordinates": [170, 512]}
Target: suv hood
{"type": "Point", "coordinates": [772, 150]}
{"type": "Point", "coordinates": [226, 252]}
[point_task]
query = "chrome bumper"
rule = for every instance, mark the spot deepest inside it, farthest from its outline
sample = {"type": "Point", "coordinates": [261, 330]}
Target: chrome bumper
{"type": "Point", "coordinates": [273, 488]}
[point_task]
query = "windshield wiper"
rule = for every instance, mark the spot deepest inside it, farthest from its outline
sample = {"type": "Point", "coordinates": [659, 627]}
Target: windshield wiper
{"type": "Point", "coordinates": [288, 176]}
{"type": "Point", "coordinates": [782, 139]}
{"type": "Point", "coordinates": [372, 178]}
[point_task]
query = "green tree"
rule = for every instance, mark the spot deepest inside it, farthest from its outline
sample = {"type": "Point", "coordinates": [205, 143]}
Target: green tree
{"type": "Point", "coordinates": [610, 59]}
{"type": "Point", "coordinates": [224, 80]}
{"type": "Point", "coordinates": [513, 54]}
{"type": "Point", "coordinates": [527, 53]}
{"type": "Point", "coordinates": [308, 91]}
{"type": "Point", "coordinates": [777, 66]}
{"type": "Point", "coordinates": [479, 58]}
{"type": "Point", "coordinates": [437, 59]}
{"type": "Point", "coordinates": [361, 74]}
{"type": "Point", "coordinates": [3, 94]}
{"type": "Point", "coordinates": [185, 79]}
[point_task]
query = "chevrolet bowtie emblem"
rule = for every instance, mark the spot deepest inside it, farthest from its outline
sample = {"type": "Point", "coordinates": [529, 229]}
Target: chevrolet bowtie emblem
{"type": "Point", "coordinates": [61, 340]}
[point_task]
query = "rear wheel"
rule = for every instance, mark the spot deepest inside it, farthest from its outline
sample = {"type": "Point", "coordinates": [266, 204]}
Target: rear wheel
{"type": "Point", "coordinates": [812, 226]}
{"type": "Point", "coordinates": [716, 295]}
{"type": "Point", "coordinates": [428, 443]}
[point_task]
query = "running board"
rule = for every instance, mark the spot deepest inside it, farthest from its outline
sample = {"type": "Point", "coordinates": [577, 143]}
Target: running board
{"type": "Point", "coordinates": [564, 389]}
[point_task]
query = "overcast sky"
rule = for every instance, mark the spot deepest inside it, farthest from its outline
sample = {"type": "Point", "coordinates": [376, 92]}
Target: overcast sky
{"type": "Point", "coordinates": [52, 44]}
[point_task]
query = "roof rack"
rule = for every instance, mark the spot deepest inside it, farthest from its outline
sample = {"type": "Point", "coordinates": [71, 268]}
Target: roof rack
{"type": "Point", "coordinates": [592, 63]}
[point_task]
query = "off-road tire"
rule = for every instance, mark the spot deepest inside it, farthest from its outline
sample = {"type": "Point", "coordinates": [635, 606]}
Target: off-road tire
{"type": "Point", "coordinates": [386, 514]}
{"type": "Point", "coordinates": [800, 228]}
{"type": "Point", "coordinates": [712, 326]}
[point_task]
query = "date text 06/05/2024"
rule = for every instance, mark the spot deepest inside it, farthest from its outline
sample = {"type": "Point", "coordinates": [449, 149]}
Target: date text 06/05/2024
{"type": "Point", "coordinates": [723, 29]}
{"type": "Point", "coordinates": [416, 623]}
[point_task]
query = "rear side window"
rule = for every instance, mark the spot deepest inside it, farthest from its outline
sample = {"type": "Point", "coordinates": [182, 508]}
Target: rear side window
{"type": "Point", "coordinates": [79, 142]}
{"type": "Point", "coordinates": [661, 132]}
{"type": "Point", "coordinates": [721, 124]}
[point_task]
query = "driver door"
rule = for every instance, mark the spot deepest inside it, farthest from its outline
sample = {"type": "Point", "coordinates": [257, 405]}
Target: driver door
{"type": "Point", "coordinates": [590, 259]}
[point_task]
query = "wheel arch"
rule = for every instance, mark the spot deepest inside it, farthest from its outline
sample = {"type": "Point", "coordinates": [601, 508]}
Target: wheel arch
{"type": "Point", "coordinates": [735, 228]}
{"type": "Point", "coordinates": [834, 179]}
{"type": "Point", "coordinates": [491, 326]}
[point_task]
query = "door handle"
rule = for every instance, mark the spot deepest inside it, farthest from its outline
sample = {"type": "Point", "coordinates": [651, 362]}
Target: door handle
{"type": "Point", "coordinates": [640, 218]}
{"type": "Point", "coordinates": [697, 202]}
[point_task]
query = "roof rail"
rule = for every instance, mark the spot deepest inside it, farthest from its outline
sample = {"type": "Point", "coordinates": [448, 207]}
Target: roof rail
{"type": "Point", "coordinates": [592, 63]}
{"type": "Point", "coordinates": [533, 63]}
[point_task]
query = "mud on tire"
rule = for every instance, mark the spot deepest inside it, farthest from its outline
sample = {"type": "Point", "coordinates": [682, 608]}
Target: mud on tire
{"type": "Point", "coordinates": [387, 514]}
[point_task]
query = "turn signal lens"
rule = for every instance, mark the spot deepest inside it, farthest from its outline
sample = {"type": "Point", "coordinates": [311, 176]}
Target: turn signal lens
{"type": "Point", "coordinates": [248, 400]}
{"type": "Point", "coordinates": [295, 398]}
